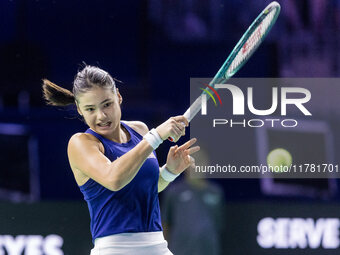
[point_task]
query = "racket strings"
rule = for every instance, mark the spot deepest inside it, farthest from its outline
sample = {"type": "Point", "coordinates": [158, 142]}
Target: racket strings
{"type": "Point", "coordinates": [251, 43]}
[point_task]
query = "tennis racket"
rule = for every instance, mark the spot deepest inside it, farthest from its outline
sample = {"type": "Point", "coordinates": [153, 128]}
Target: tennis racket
{"type": "Point", "coordinates": [243, 50]}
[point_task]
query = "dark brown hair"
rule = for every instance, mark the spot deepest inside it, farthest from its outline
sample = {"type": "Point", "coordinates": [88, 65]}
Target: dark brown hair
{"type": "Point", "coordinates": [85, 80]}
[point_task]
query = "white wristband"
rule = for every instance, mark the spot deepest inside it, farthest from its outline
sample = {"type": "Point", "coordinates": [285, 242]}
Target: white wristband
{"type": "Point", "coordinates": [153, 138]}
{"type": "Point", "coordinates": [167, 175]}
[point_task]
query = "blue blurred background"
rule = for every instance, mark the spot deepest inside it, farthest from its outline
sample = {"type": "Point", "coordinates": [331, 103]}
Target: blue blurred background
{"type": "Point", "coordinates": [153, 47]}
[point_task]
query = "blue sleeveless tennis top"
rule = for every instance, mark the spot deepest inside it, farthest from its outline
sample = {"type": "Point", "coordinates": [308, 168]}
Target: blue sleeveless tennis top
{"type": "Point", "coordinates": [135, 207]}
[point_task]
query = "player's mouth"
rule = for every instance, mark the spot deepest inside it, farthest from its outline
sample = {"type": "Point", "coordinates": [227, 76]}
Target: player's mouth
{"type": "Point", "coordinates": [104, 124]}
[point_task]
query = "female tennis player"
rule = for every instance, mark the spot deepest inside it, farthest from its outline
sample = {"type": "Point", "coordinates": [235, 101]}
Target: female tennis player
{"type": "Point", "coordinates": [115, 166]}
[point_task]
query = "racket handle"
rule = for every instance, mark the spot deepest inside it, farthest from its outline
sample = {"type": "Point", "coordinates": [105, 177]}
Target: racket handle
{"type": "Point", "coordinates": [191, 112]}
{"type": "Point", "coordinates": [194, 108]}
{"type": "Point", "coordinates": [172, 139]}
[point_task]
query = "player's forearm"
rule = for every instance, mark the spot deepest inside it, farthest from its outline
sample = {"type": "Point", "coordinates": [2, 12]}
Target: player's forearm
{"type": "Point", "coordinates": [125, 168]}
{"type": "Point", "coordinates": [162, 184]}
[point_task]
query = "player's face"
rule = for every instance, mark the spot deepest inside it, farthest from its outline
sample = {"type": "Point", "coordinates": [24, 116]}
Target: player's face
{"type": "Point", "coordinates": [101, 110]}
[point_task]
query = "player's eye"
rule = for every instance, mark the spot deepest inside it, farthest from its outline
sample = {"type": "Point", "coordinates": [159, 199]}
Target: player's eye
{"type": "Point", "coordinates": [107, 104]}
{"type": "Point", "coordinates": [89, 109]}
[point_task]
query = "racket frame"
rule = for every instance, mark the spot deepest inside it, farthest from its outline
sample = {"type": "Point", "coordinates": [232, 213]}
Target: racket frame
{"type": "Point", "coordinates": [222, 76]}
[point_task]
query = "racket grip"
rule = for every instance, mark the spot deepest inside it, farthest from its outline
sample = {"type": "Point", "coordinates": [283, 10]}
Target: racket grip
{"type": "Point", "coordinates": [172, 139]}
{"type": "Point", "coordinates": [191, 112]}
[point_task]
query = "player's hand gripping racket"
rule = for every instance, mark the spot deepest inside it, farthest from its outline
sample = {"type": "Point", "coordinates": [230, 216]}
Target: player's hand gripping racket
{"type": "Point", "coordinates": [243, 50]}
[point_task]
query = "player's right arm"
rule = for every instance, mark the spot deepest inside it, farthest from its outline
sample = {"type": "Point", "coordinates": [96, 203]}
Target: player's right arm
{"type": "Point", "coordinates": [86, 156]}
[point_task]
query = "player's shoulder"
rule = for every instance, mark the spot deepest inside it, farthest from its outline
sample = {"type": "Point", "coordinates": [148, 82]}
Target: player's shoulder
{"type": "Point", "coordinates": [81, 137]}
{"type": "Point", "coordinates": [139, 126]}
{"type": "Point", "coordinates": [79, 140]}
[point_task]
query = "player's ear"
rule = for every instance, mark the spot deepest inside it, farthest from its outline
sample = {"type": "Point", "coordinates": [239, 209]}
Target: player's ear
{"type": "Point", "coordinates": [78, 109]}
{"type": "Point", "coordinates": [120, 98]}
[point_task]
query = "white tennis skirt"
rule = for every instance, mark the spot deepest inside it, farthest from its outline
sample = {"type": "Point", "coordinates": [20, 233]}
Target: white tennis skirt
{"type": "Point", "coordinates": [142, 243]}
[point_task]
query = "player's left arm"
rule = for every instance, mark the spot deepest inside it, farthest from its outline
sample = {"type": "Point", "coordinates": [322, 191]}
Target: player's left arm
{"type": "Point", "coordinates": [142, 129]}
{"type": "Point", "coordinates": [162, 184]}
{"type": "Point", "coordinates": [179, 158]}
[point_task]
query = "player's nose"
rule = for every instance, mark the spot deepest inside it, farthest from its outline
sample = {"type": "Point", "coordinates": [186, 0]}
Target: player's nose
{"type": "Point", "coordinates": [101, 115]}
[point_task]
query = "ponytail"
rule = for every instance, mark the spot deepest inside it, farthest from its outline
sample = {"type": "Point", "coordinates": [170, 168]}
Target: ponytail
{"type": "Point", "coordinates": [55, 95]}
{"type": "Point", "coordinates": [85, 80]}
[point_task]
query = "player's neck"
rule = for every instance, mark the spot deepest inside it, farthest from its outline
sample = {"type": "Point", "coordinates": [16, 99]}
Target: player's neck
{"type": "Point", "coordinates": [120, 135]}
